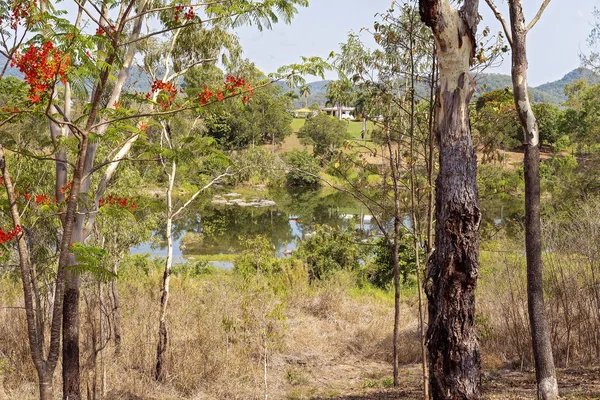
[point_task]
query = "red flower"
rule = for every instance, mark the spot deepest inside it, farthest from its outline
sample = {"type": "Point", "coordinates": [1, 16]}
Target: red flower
{"type": "Point", "coordinates": [168, 88]}
{"type": "Point", "coordinates": [189, 15]}
{"type": "Point", "coordinates": [10, 235]}
{"type": "Point", "coordinates": [21, 10]}
{"type": "Point", "coordinates": [205, 96]}
{"type": "Point", "coordinates": [42, 67]}
{"type": "Point", "coordinates": [42, 199]}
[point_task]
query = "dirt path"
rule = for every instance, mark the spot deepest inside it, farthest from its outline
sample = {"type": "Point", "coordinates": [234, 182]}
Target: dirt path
{"type": "Point", "coordinates": [505, 385]}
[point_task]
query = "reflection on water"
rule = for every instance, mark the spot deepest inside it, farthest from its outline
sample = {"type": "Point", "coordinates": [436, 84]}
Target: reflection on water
{"type": "Point", "coordinates": [216, 230]}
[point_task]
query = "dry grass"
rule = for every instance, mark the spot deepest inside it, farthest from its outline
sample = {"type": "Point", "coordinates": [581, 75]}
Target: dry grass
{"type": "Point", "coordinates": [325, 341]}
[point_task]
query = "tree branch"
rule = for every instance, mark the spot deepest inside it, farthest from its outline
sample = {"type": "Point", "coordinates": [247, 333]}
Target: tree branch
{"type": "Point", "coordinates": [500, 18]}
{"type": "Point", "coordinates": [538, 15]}
{"type": "Point", "coordinates": [202, 189]}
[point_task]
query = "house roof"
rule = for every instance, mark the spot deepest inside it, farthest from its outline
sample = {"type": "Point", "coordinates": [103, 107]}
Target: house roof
{"type": "Point", "coordinates": [336, 108]}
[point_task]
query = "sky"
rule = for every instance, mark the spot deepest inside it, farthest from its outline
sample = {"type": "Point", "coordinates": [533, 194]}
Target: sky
{"type": "Point", "coordinates": [554, 44]}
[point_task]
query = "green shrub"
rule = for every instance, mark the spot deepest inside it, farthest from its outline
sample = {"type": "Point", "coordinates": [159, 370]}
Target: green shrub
{"type": "Point", "coordinates": [259, 257]}
{"type": "Point", "coordinates": [304, 169]}
{"type": "Point", "coordinates": [194, 270]}
{"type": "Point", "coordinates": [329, 250]}
{"type": "Point", "coordinates": [380, 273]}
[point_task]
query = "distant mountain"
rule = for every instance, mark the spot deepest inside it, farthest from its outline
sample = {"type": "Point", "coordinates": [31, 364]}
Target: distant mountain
{"type": "Point", "coordinates": [551, 92]}
{"type": "Point", "coordinates": [318, 90]}
{"type": "Point", "coordinates": [557, 88]}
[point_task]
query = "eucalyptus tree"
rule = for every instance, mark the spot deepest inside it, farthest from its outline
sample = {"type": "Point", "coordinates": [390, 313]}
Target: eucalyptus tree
{"type": "Point", "coordinates": [66, 50]}
{"type": "Point", "coordinates": [453, 269]}
{"type": "Point", "coordinates": [516, 33]}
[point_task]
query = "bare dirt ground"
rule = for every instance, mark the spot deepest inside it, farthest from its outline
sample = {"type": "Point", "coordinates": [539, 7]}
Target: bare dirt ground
{"type": "Point", "coordinates": [576, 384]}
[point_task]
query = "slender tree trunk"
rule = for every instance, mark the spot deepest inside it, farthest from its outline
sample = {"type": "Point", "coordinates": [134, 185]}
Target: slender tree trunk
{"type": "Point", "coordinates": [395, 247]}
{"type": "Point", "coordinates": [396, 269]}
{"type": "Point", "coordinates": [454, 265]}
{"type": "Point", "coordinates": [415, 224]}
{"type": "Point", "coordinates": [116, 315]}
{"type": "Point", "coordinates": [547, 385]}
{"type": "Point", "coordinates": [159, 372]}
{"type": "Point", "coordinates": [364, 128]}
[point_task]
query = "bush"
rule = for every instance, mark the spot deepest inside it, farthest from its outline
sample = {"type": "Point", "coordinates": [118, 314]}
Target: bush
{"type": "Point", "coordinates": [304, 169]}
{"type": "Point", "coordinates": [329, 250]}
{"type": "Point", "coordinates": [259, 257]}
{"type": "Point", "coordinates": [325, 133]}
{"type": "Point", "coordinates": [496, 181]}
{"type": "Point", "coordinates": [381, 273]}
{"type": "Point", "coordinates": [257, 166]}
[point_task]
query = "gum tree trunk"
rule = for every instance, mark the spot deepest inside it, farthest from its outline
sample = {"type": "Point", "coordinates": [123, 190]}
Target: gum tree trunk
{"type": "Point", "coordinates": [161, 348]}
{"type": "Point", "coordinates": [454, 357]}
{"type": "Point", "coordinates": [547, 386]}
{"type": "Point", "coordinates": [516, 34]}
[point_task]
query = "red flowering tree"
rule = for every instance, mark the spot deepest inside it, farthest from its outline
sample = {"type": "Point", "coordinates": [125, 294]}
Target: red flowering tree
{"type": "Point", "coordinates": [96, 48]}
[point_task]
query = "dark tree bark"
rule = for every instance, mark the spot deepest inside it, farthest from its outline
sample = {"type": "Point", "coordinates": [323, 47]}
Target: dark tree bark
{"type": "Point", "coordinates": [547, 385]}
{"type": "Point", "coordinates": [71, 363]}
{"type": "Point", "coordinates": [454, 357]}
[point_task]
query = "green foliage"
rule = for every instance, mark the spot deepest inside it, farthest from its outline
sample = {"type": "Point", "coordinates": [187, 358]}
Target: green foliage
{"type": "Point", "coordinates": [495, 124]}
{"type": "Point", "coordinates": [132, 266]}
{"type": "Point", "coordinates": [91, 259]}
{"type": "Point", "coordinates": [381, 273]}
{"type": "Point", "coordinates": [329, 250]}
{"type": "Point", "coordinates": [387, 382]}
{"type": "Point", "coordinates": [258, 165]}
{"type": "Point", "coordinates": [582, 121]}
{"type": "Point", "coordinates": [325, 133]}
{"type": "Point", "coordinates": [498, 182]}
{"type": "Point", "coordinates": [304, 169]}
{"type": "Point", "coordinates": [264, 119]}
{"type": "Point", "coordinates": [339, 93]}
{"type": "Point", "coordinates": [194, 270]}
{"type": "Point", "coordinates": [557, 170]}
{"type": "Point", "coordinates": [549, 118]}
{"type": "Point", "coordinates": [258, 258]}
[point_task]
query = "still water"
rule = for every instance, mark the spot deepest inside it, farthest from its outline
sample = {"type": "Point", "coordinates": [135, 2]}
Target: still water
{"type": "Point", "coordinates": [212, 228]}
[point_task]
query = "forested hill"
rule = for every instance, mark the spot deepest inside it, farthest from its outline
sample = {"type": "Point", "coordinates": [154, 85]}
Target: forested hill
{"type": "Point", "coordinates": [551, 92]}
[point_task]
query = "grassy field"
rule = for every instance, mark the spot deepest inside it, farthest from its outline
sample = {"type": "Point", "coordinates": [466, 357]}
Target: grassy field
{"type": "Point", "coordinates": [354, 127]}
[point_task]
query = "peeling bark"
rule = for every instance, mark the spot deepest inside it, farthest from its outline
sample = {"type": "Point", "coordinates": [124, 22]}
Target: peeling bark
{"type": "Point", "coordinates": [454, 357]}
